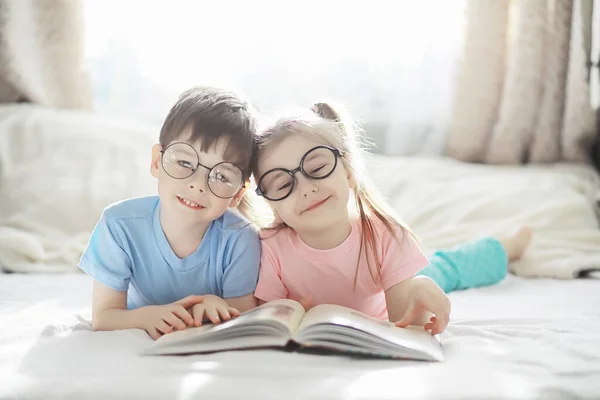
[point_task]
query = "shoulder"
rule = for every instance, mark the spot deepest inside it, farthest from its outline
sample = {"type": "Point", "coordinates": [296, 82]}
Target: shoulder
{"type": "Point", "coordinates": [275, 242]}
{"type": "Point", "coordinates": [392, 235]}
{"type": "Point", "coordinates": [140, 207]}
{"type": "Point", "coordinates": [232, 226]}
{"type": "Point", "coordinates": [275, 236]}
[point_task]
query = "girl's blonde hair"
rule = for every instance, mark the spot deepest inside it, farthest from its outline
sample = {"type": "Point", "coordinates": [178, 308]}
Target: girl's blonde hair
{"type": "Point", "coordinates": [331, 124]}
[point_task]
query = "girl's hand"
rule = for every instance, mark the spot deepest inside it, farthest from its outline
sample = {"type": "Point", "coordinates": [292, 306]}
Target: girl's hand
{"type": "Point", "coordinates": [307, 303]}
{"type": "Point", "coordinates": [215, 309]}
{"type": "Point", "coordinates": [160, 320]}
{"type": "Point", "coordinates": [426, 297]}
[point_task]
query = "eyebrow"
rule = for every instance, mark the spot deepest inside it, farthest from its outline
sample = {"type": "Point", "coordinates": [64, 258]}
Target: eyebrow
{"type": "Point", "coordinates": [276, 175]}
{"type": "Point", "coordinates": [193, 152]}
{"type": "Point", "coordinates": [186, 151]}
{"type": "Point", "coordinates": [313, 156]}
{"type": "Point", "coordinates": [227, 166]}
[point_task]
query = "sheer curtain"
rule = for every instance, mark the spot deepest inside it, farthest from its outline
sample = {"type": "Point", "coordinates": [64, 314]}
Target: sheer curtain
{"type": "Point", "coordinates": [391, 62]}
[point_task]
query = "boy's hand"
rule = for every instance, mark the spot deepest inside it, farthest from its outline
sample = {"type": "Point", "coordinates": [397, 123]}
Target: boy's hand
{"type": "Point", "coordinates": [215, 309]}
{"type": "Point", "coordinates": [426, 296]}
{"type": "Point", "coordinates": [160, 320]}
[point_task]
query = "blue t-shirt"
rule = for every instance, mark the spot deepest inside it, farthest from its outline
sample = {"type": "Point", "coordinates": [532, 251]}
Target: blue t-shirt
{"type": "Point", "coordinates": [128, 251]}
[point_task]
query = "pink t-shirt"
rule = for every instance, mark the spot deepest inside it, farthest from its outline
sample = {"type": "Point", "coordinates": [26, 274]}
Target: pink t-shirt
{"type": "Point", "coordinates": [290, 269]}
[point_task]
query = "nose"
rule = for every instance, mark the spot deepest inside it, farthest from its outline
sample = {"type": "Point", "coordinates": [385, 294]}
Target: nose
{"type": "Point", "coordinates": [306, 186]}
{"type": "Point", "coordinates": [198, 181]}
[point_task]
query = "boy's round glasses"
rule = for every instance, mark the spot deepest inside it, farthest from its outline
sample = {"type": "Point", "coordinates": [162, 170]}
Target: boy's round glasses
{"type": "Point", "coordinates": [180, 161]}
{"type": "Point", "coordinates": [317, 163]}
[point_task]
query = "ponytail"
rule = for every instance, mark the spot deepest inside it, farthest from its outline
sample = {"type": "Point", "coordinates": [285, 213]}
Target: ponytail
{"type": "Point", "coordinates": [369, 203]}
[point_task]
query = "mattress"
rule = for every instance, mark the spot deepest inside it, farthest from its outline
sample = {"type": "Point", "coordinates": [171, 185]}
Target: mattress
{"type": "Point", "coordinates": [522, 338]}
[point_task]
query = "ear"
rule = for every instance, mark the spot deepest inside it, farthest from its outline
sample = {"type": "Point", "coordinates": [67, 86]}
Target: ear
{"type": "Point", "coordinates": [235, 200]}
{"type": "Point", "coordinates": [155, 163]}
{"type": "Point", "coordinates": [352, 183]}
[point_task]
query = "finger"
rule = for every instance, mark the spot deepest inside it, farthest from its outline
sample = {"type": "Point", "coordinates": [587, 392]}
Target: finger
{"type": "Point", "coordinates": [154, 334]}
{"type": "Point", "coordinates": [439, 325]}
{"type": "Point", "coordinates": [223, 313]}
{"type": "Point", "coordinates": [440, 308]}
{"type": "Point", "coordinates": [436, 307]}
{"type": "Point", "coordinates": [163, 327]}
{"type": "Point", "coordinates": [444, 304]}
{"type": "Point", "coordinates": [448, 307]}
{"type": "Point", "coordinates": [174, 321]}
{"type": "Point", "coordinates": [443, 314]}
{"type": "Point", "coordinates": [234, 312]}
{"type": "Point", "coordinates": [189, 301]}
{"type": "Point", "coordinates": [184, 315]}
{"type": "Point", "coordinates": [408, 317]}
{"type": "Point", "coordinates": [212, 315]}
{"type": "Point", "coordinates": [306, 303]}
{"type": "Point", "coordinates": [198, 315]}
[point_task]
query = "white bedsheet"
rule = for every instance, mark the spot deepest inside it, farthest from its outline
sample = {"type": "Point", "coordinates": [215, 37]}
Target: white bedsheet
{"type": "Point", "coordinates": [519, 339]}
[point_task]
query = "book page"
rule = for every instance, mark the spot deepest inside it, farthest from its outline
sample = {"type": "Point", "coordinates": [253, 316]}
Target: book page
{"type": "Point", "coordinates": [413, 337]}
{"type": "Point", "coordinates": [284, 313]}
{"type": "Point", "coordinates": [330, 313]}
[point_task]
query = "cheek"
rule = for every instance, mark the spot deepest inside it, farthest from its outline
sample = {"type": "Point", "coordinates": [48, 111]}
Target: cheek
{"type": "Point", "coordinates": [166, 183]}
{"type": "Point", "coordinates": [285, 208]}
{"type": "Point", "coordinates": [337, 183]}
{"type": "Point", "coordinates": [220, 204]}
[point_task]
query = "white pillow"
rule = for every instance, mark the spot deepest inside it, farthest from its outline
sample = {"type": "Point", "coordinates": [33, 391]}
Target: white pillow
{"type": "Point", "coordinates": [447, 202]}
{"type": "Point", "coordinates": [58, 170]}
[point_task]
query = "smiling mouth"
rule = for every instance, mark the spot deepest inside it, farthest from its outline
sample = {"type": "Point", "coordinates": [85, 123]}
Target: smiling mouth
{"type": "Point", "coordinates": [315, 206]}
{"type": "Point", "coordinates": [189, 203]}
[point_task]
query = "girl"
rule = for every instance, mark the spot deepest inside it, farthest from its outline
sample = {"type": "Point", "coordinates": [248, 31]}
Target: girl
{"type": "Point", "coordinates": [322, 250]}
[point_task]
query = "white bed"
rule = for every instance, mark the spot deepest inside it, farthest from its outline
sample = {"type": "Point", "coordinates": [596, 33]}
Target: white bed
{"type": "Point", "coordinates": [520, 339]}
{"type": "Point", "coordinates": [523, 338]}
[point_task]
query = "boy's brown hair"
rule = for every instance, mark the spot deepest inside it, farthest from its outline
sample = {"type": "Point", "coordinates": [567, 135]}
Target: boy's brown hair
{"type": "Point", "coordinates": [209, 114]}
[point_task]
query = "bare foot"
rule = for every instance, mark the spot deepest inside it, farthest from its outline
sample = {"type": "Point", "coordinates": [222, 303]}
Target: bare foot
{"type": "Point", "coordinates": [516, 244]}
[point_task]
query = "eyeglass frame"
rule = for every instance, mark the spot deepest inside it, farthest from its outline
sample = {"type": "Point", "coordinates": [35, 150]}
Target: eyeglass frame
{"type": "Point", "coordinates": [164, 149]}
{"type": "Point", "coordinates": [336, 153]}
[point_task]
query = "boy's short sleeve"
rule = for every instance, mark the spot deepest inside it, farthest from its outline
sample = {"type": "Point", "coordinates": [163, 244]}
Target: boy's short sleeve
{"type": "Point", "coordinates": [241, 275]}
{"type": "Point", "coordinates": [270, 286]}
{"type": "Point", "coordinates": [400, 260]}
{"type": "Point", "coordinates": [104, 258]}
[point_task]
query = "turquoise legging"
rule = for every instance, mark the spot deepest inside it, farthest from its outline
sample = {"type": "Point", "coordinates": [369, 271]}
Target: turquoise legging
{"type": "Point", "coordinates": [479, 263]}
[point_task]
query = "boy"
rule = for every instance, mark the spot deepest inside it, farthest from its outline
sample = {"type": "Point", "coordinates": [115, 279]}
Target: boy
{"type": "Point", "coordinates": [166, 262]}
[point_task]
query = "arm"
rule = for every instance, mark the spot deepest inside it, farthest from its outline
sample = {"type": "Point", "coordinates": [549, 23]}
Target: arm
{"type": "Point", "coordinates": [420, 301]}
{"type": "Point", "coordinates": [242, 303]}
{"type": "Point", "coordinates": [270, 285]}
{"type": "Point", "coordinates": [109, 312]}
{"type": "Point", "coordinates": [411, 300]}
{"type": "Point", "coordinates": [397, 299]}
{"type": "Point", "coordinates": [106, 260]}
{"type": "Point", "coordinates": [108, 263]}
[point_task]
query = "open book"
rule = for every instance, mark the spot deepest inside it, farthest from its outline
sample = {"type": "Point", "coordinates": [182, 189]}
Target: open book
{"type": "Point", "coordinates": [284, 323]}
